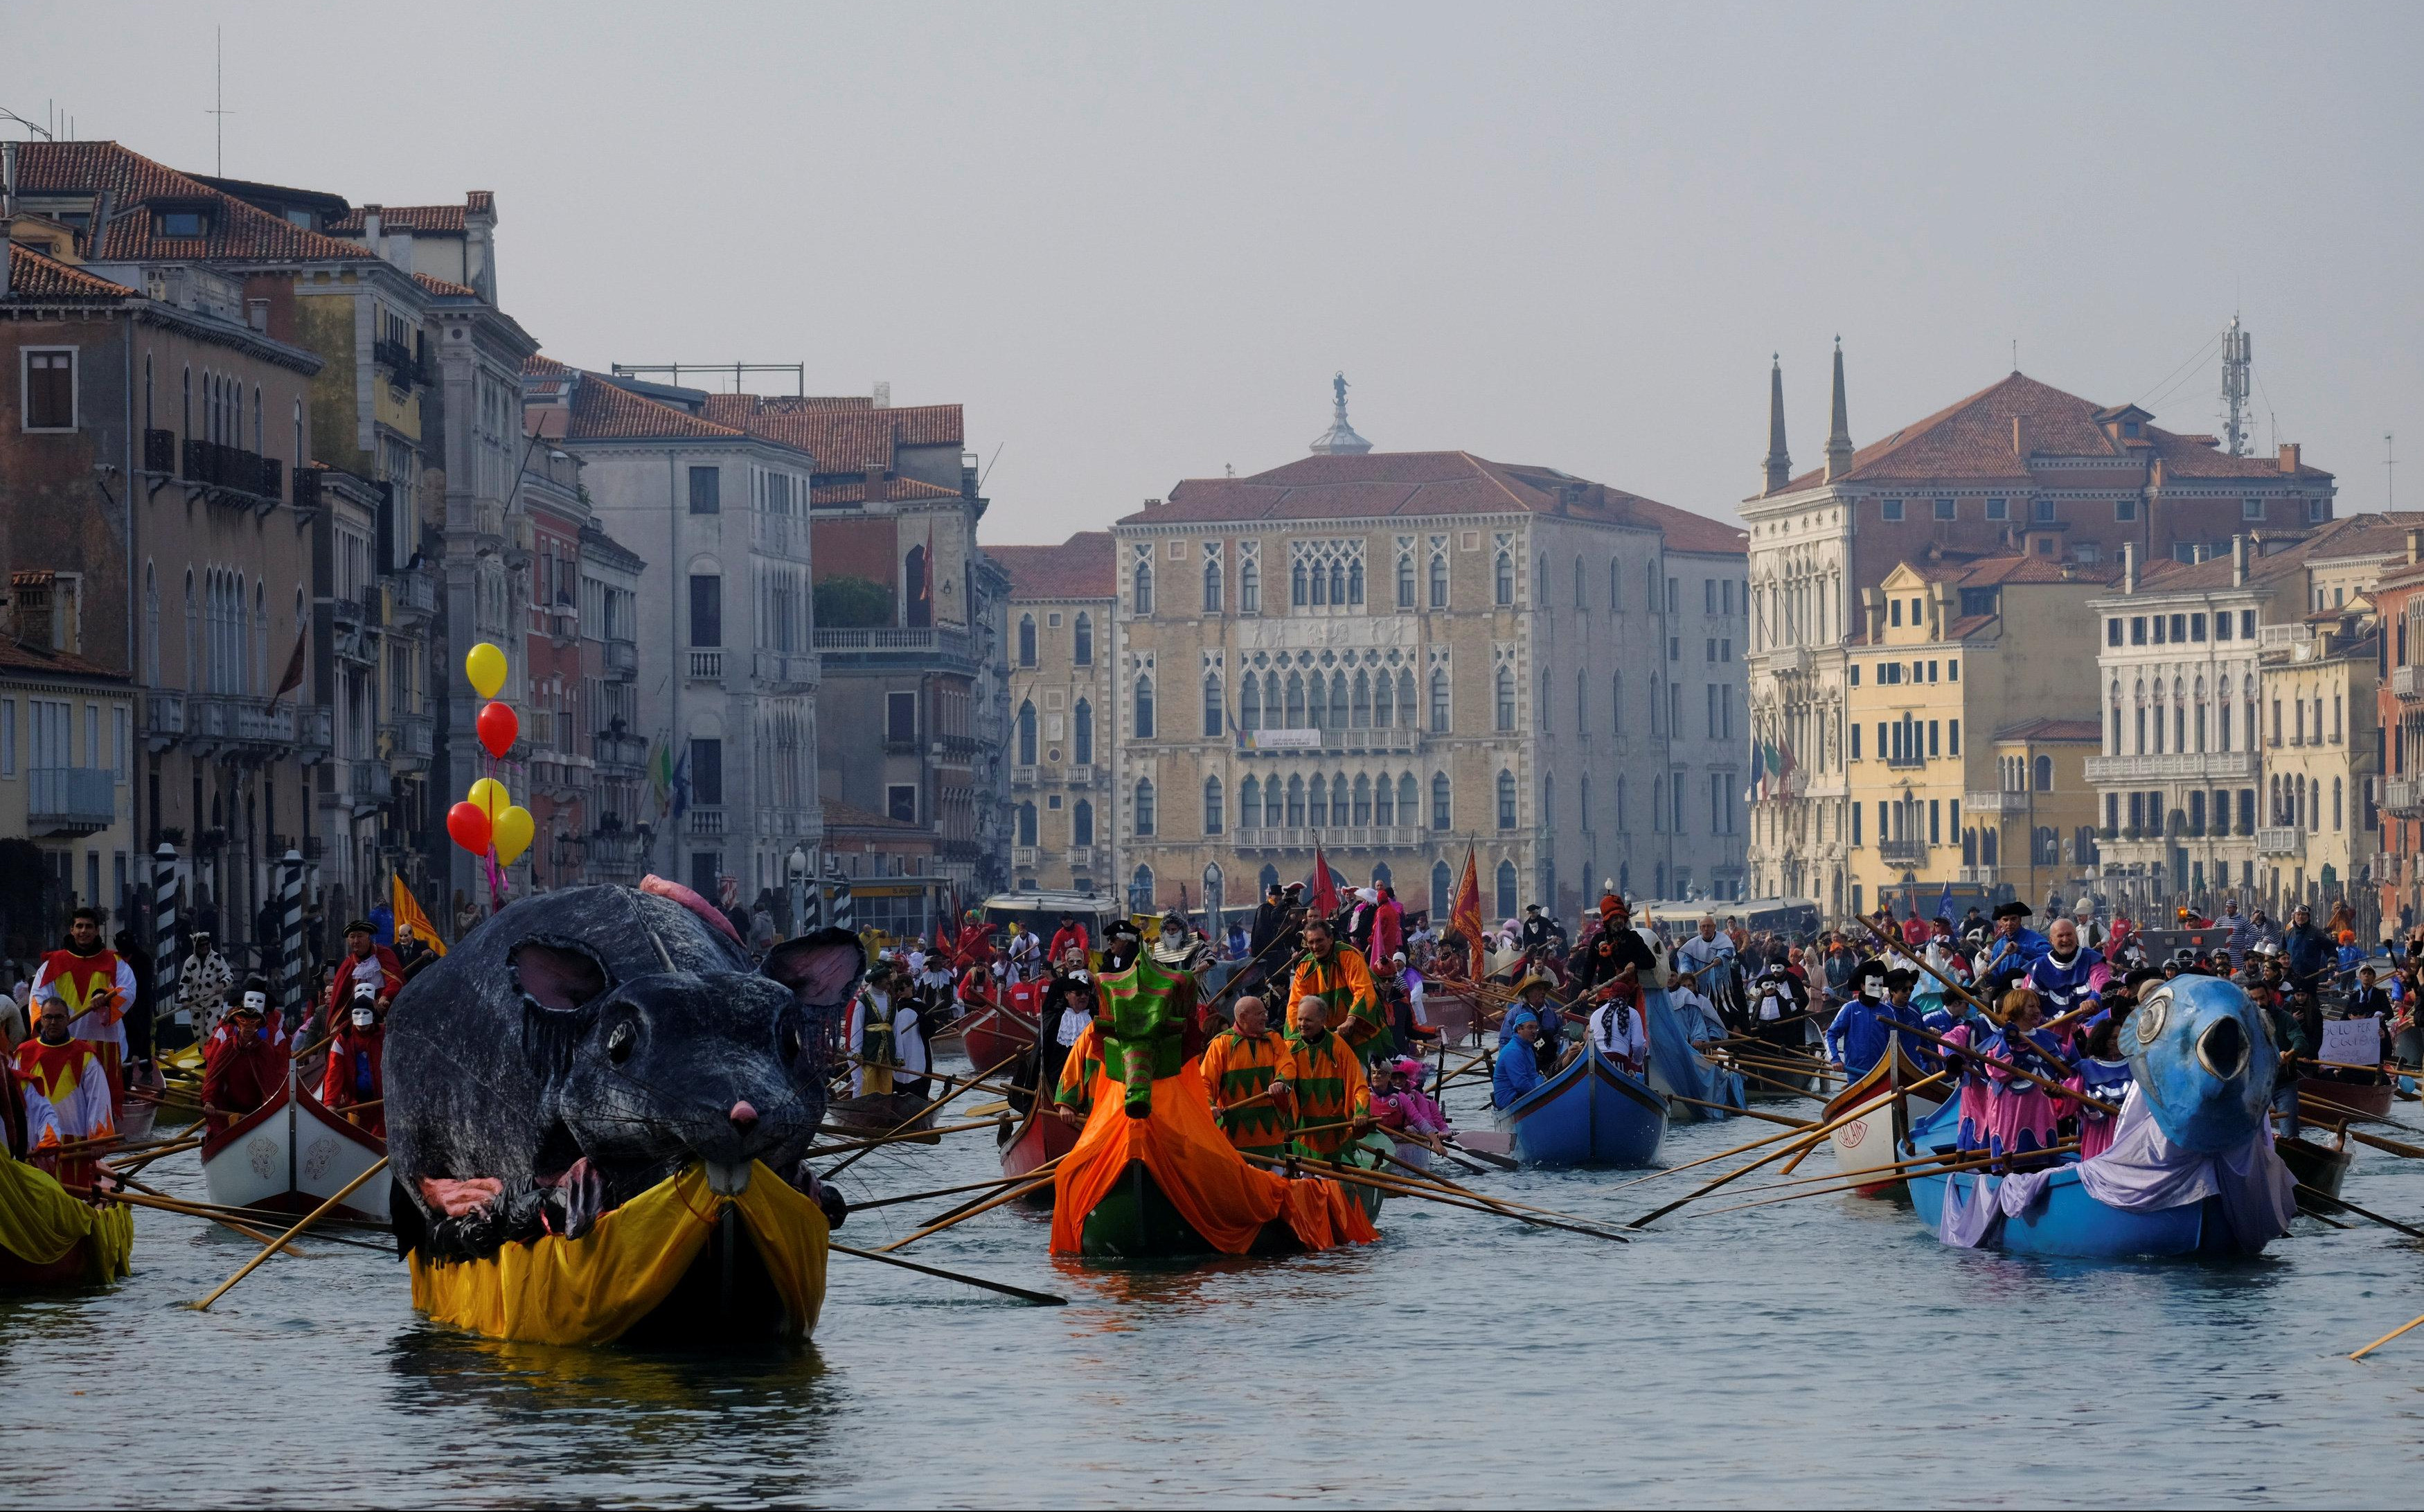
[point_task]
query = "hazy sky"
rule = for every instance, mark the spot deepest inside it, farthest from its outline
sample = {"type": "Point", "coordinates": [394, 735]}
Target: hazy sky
{"type": "Point", "coordinates": [1135, 241]}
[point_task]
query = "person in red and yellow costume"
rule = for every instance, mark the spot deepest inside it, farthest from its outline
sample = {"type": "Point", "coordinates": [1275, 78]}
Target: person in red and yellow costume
{"type": "Point", "coordinates": [1241, 1074]}
{"type": "Point", "coordinates": [1337, 973]}
{"type": "Point", "coordinates": [68, 1092]}
{"type": "Point", "coordinates": [96, 986]}
{"type": "Point", "coordinates": [1334, 1103]}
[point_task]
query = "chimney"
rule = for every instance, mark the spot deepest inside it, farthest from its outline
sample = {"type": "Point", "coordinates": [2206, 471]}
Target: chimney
{"type": "Point", "coordinates": [480, 243]}
{"type": "Point", "coordinates": [371, 218]}
{"type": "Point", "coordinates": [2021, 436]}
{"type": "Point", "coordinates": [882, 399]}
{"type": "Point", "coordinates": [1839, 433]}
{"type": "Point", "coordinates": [7, 180]}
{"type": "Point", "coordinates": [2238, 561]}
{"type": "Point", "coordinates": [2288, 456]}
{"type": "Point", "coordinates": [2415, 546]}
{"type": "Point", "coordinates": [2129, 567]}
{"type": "Point", "coordinates": [1779, 460]}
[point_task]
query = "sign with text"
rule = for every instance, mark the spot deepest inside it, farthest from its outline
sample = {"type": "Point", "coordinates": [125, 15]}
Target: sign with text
{"type": "Point", "coordinates": [1282, 740]}
{"type": "Point", "coordinates": [2351, 1042]}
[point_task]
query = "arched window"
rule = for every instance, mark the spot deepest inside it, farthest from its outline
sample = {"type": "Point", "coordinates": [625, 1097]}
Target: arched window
{"type": "Point", "coordinates": [1382, 876]}
{"type": "Point", "coordinates": [1549, 803]}
{"type": "Point", "coordinates": [1317, 702]}
{"type": "Point", "coordinates": [1989, 842]}
{"type": "Point", "coordinates": [1212, 716]}
{"type": "Point", "coordinates": [1443, 811]}
{"type": "Point", "coordinates": [1615, 585]}
{"type": "Point", "coordinates": [1362, 717]}
{"type": "Point", "coordinates": [1505, 698]}
{"type": "Point", "coordinates": [1582, 704]}
{"type": "Point", "coordinates": [2335, 805]}
{"type": "Point", "coordinates": [1581, 601]}
{"type": "Point", "coordinates": [1354, 581]}
{"type": "Point", "coordinates": [1406, 713]}
{"type": "Point", "coordinates": [1140, 890]}
{"type": "Point", "coordinates": [2045, 774]}
{"type": "Point", "coordinates": [1384, 702]}
{"type": "Point", "coordinates": [1319, 810]}
{"type": "Point", "coordinates": [1657, 710]}
{"type": "Point", "coordinates": [1439, 579]}
{"type": "Point", "coordinates": [1338, 700]}
{"type": "Point", "coordinates": [1298, 596]}
{"type": "Point", "coordinates": [1384, 800]}
{"type": "Point", "coordinates": [1295, 801]}
{"type": "Point", "coordinates": [193, 637]}
{"type": "Point", "coordinates": [1541, 705]}
{"type": "Point", "coordinates": [1082, 728]}
{"type": "Point", "coordinates": [1409, 807]}
{"type": "Point", "coordinates": [1439, 700]}
{"type": "Point", "coordinates": [1363, 811]}
{"type": "Point", "coordinates": [1506, 889]}
{"type": "Point", "coordinates": [1624, 825]}
{"type": "Point", "coordinates": [259, 657]}
{"type": "Point", "coordinates": [1249, 586]}
{"type": "Point", "coordinates": [1506, 799]}
{"type": "Point", "coordinates": [1211, 805]}
{"type": "Point", "coordinates": [1338, 584]}
{"type": "Point", "coordinates": [1440, 901]}
{"type": "Point", "coordinates": [1505, 585]}
{"type": "Point", "coordinates": [1295, 702]}
{"type": "Point", "coordinates": [1658, 804]}
{"type": "Point", "coordinates": [1082, 653]}
{"type": "Point", "coordinates": [1144, 709]}
{"type": "Point", "coordinates": [1027, 824]}
{"type": "Point", "coordinates": [1144, 587]}
{"type": "Point", "coordinates": [1271, 877]}
{"type": "Point", "coordinates": [1250, 803]}
{"type": "Point", "coordinates": [1250, 703]}
{"type": "Point", "coordinates": [1026, 640]}
{"type": "Point", "coordinates": [1081, 822]}
{"type": "Point", "coordinates": [1144, 805]}
{"type": "Point", "coordinates": [151, 625]}
{"type": "Point", "coordinates": [1274, 811]}
{"type": "Point", "coordinates": [1587, 823]}
{"type": "Point", "coordinates": [1212, 585]}
{"type": "Point", "coordinates": [1027, 737]}
{"type": "Point", "coordinates": [1406, 582]}
{"type": "Point", "coordinates": [916, 593]}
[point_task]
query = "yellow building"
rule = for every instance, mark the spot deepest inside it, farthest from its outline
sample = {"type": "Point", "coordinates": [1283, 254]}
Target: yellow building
{"type": "Point", "coordinates": [66, 738]}
{"type": "Point", "coordinates": [2318, 677]}
{"type": "Point", "coordinates": [1061, 608]}
{"type": "Point", "coordinates": [2035, 829]}
{"type": "Point", "coordinates": [1984, 646]}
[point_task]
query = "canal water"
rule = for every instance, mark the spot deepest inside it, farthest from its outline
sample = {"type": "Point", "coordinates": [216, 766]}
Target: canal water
{"type": "Point", "coordinates": [1816, 1353]}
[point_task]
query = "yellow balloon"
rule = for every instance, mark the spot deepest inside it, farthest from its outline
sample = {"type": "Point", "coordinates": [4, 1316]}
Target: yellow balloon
{"type": "Point", "coordinates": [486, 666]}
{"type": "Point", "coordinates": [512, 834]}
{"type": "Point", "coordinates": [492, 799]}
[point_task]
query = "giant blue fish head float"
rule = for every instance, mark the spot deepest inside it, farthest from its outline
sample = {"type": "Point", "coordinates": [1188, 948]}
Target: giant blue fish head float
{"type": "Point", "coordinates": [2203, 1059]}
{"type": "Point", "coordinates": [583, 1045]}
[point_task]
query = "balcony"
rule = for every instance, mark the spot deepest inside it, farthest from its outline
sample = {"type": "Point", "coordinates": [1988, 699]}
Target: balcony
{"type": "Point", "coordinates": [412, 595]}
{"type": "Point", "coordinates": [234, 470]}
{"type": "Point", "coordinates": [704, 822]}
{"type": "Point", "coordinates": [780, 534]}
{"type": "Point", "coordinates": [1024, 855]}
{"type": "Point", "coordinates": [894, 646]}
{"type": "Point", "coordinates": [621, 659]}
{"type": "Point", "coordinates": [615, 855]}
{"type": "Point", "coordinates": [1022, 777]}
{"type": "Point", "coordinates": [367, 783]}
{"type": "Point", "coordinates": [232, 722]}
{"type": "Point", "coordinates": [2407, 683]}
{"type": "Point", "coordinates": [783, 669]}
{"type": "Point", "coordinates": [356, 644]}
{"type": "Point", "coordinates": [399, 360]}
{"type": "Point", "coordinates": [618, 755]}
{"type": "Point", "coordinates": [164, 720]}
{"type": "Point", "coordinates": [2404, 797]}
{"type": "Point", "coordinates": [1975, 876]}
{"type": "Point", "coordinates": [1081, 776]}
{"type": "Point", "coordinates": [160, 452]}
{"type": "Point", "coordinates": [410, 741]}
{"type": "Point", "coordinates": [70, 801]}
{"type": "Point", "coordinates": [307, 491]}
{"type": "Point", "coordinates": [1336, 837]}
{"type": "Point", "coordinates": [2184, 766]}
{"type": "Point", "coordinates": [1084, 857]}
{"type": "Point", "coordinates": [1331, 740]}
{"type": "Point", "coordinates": [706, 666]}
{"type": "Point", "coordinates": [1902, 852]}
{"type": "Point", "coordinates": [1906, 763]}
{"type": "Point", "coordinates": [2280, 840]}
{"type": "Point", "coordinates": [1994, 803]}
{"type": "Point", "coordinates": [563, 625]}
{"type": "Point", "coordinates": [314, 733]}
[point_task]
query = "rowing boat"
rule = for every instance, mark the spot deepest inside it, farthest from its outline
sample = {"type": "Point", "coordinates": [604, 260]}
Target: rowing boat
{"type": "Point", "coordinates": [49, 1237]}
{"type": "Point", "coordinates": [1039, 1138]}
{"type": "Point", "coordinates": [1592, 1112]}
{"type": "Point", "coordinates": [870, 1114]}
{"type": "Point", "coordinates": [291, 1155]}
{"type": "Point", "coordinates": [998, 1032]}
{"type": "Point", "coordinates": [2319, 1168]}
{"type": "Point", "coordinates": [1455, 1016]}
{"type": "Point", "coordinates": [1868, 1141]}
{"type": "Point", "coordinates": [2067, 1222]}
{"type": "Point", "coordinates": [2326, 1101]}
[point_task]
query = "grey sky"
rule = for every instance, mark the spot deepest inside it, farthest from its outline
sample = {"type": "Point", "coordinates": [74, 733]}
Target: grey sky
{"type": "Point", "coordinates": [1135, 241]}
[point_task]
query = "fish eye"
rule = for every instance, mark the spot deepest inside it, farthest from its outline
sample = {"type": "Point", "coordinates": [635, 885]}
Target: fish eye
{"type": "Point", "coordinates": [618, 1043]}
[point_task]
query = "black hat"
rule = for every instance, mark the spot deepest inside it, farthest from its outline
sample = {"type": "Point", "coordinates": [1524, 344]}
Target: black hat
{"type": "Point", "coordinates": [362, 925]}
{"type": "Point", "coordinates": [1871, 966]}
{"type": "Point", "coordinates": [1902, 977]}
{"type": "Point", "coordinates": [1274, 890]}
{"type": "Point", "coordinates": [2015, 909]}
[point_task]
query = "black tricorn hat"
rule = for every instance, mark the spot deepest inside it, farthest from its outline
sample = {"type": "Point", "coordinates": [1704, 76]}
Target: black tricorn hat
{"type": "Point", "coordinates": [2015, 909]}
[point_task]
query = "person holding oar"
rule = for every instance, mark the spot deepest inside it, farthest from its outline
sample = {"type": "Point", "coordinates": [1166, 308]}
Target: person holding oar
{"type": "Point", "coordinates": [1081, 1060]}
{"type": "Point", "coordinates": [245, 1064]}
{"type": "Point", "coordinates": [69, 1095]}
{"type": "Point", "coordinates": [1251, 1100]}
{"type": "Point", "coordinates": [2020, 1114]}
{"type": "Point", "coordinates": [1856, 1039]}
{"type": "Point", "coordinates": [1334, 1102]}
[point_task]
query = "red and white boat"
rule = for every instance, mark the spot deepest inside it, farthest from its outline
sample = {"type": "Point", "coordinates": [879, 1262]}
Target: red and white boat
{"type": "Point", "coordinates": [1002, 1031]}
{"type": "Point", "coordinates": [1869, 1142]}
{"type": "Point", "coordinates": [289, 1155]}
{"type": "Point", "coordinates": [1039, 1138]}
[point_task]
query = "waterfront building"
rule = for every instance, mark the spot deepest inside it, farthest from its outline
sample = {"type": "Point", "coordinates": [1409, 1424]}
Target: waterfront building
{"type": "Point", "coordinates": [1061, 611]}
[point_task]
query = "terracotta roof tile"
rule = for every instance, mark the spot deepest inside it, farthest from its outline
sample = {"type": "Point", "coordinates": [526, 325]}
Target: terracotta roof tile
{"type": "Point", "coordinates": [602, 412]}
{"type": "Point", "coordinates": [36, 274]}
{"type": "Point", "coordinates": [430, 219]}
{"type": "Point", "coordinates": [843, 435]}
{"type": "Point", "coordinates": [1383, 484]}
{"type": "Point", "coordinates": [895, 490]}
{"type": "Point", "coordinates": [2350, 535]}
{"type": "Point", "coordinates": [1078, 567]}
{"type": "Point", "coordinates": [445, 290]}
{"type": "Point", "coordinates": [1970, 440]}
{"type": "Point", "coordinates": [23, 659]}
{"type": "Point", "coordinates": [539, 365]}
{"type": "Point", "coordinates": [128, 182]}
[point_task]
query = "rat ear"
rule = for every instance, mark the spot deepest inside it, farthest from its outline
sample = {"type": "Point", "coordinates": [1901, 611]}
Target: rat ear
{"type": "Point", "coordinates": [556, 973]}
{"type": "Point", "coordinates": [819, 967]}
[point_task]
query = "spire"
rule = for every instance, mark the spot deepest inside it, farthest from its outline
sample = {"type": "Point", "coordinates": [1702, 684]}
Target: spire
{"type": "Point", "coordinates": [1780, 461]}
{"type": "Point", "coordinates": [1340, 440]}
{"type": "Point", "coordinates": [1839, 437]}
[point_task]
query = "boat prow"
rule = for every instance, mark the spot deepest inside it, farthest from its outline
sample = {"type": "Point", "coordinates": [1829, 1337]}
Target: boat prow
{"type": "Point", "coordinates": [1592, 1112]}
{"type": "Point", "coordinates": [1870, 1141]}
{"type": "Point", "coordinates": [291, 1155]}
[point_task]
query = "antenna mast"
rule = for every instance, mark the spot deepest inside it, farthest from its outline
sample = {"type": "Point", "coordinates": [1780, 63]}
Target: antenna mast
{"type": "Point", "coordinates": [2238, 362]}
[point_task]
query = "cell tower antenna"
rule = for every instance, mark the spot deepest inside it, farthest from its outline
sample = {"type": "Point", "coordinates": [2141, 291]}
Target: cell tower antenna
{"type": "Point", "coordinates": [219, 112]}
{"type": "Point", "coordinates": [2237, 364]}
{"type": "Point", "coordinates": [2389, 472]}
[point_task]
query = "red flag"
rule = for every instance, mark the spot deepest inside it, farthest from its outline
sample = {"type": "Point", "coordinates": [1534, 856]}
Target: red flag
{"type": "Point", "coordinates": [1464, 916]}
{"type": "Point", "coordinates": [294, 678]}
{"type": "Point", "coordinates": [1324, 900]}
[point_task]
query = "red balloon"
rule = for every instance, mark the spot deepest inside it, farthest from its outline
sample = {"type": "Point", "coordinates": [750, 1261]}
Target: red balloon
{"type": "Point", "coordinates": [498, 728]}
{"type": "Point", "coordinates": [468, 825]}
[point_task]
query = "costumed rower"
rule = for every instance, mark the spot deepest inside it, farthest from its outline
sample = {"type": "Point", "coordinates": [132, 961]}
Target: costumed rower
{"type": "Point", "coordinates": [1531, 1002]}
{"type": "Point", "coordinates": [205, 983]}
{"type": "Point", "coordinates": [68, 1093]}
{"type": "Point", "coordinates": [2015, 949]}
{"type": "Point", "coordinates": [1518, 1069]}
{"type": "Point", "coordinates": [365, 960]}
{"type": "Point", "coordinates": [1081, 1063]}
{"type": "Point", "coordinates": [1616, 1030]}
{"type": "Point", "coordinates": [96, 986]}
{"type": "Point", "coordinates": [356, 1075]}
{"type": "Point", "coordinates": [1338, 975]}
{"type": "Point", "coordinates": [2068, 976]}
{"type": "Point", "coordinates": [1856, 1039]}
{"type": "Point", "coordinates": [2020, 1114]}
{"type": "Point", "coordinates": [1241, 1070]}
{"type": "Point", "coordinates": [245, 1061]}
{"type": "Point", "coordinates": [1328, 1082]}
{"type": "Point", "coordinates": [888, 1045]}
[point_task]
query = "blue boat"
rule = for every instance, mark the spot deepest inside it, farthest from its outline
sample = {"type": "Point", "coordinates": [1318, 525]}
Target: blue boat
{"type": "Point", "coordinates": [1590, 1113]}
{"type": "Point", "coordinates": [2067, 1222]}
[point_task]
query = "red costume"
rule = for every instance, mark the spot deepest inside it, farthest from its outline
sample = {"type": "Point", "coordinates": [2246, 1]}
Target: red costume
{"type": "Point", "coordinates": [67, 1094]}
{"type": "Point", "coordinates": [98, 989]}
{"type": "Point", "coordinates": [340, 991]}
{"type": "Point", "coordinates": [355, 1075]}
{"type": "Point", "coordinates": [241, 1072]}
{"type": "Point", "coordinates": [1062, 939]}
{"type": "Point", "coordinates": [1388, 927]}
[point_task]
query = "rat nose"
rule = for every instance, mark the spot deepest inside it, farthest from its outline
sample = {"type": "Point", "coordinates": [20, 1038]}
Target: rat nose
{"type": "Point", "coordinates": [742, 1115]}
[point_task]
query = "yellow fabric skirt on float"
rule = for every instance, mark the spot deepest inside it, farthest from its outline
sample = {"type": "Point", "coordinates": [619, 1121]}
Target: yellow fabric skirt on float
{"type": "Point", "coordinates": [597, 1288]}
{"type": "Point", "coordinates": [50, 1237]}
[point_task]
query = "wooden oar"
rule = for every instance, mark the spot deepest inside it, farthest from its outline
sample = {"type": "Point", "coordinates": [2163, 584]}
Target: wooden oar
{"type": "Point", "coordinates": [944, 1191]}
{"type": "Point", "coordinates": [1420, 1177]}
{"type": "Point", "coordinates": [1669, 1171]}
{"type": "Point", "coordinates": [944, 1077]}
{"type": "Point", "coordinates": [1809, 1140]}
{"type": "Point", "coordinates": [168, 1204]}
{"type": "Point", "coordinates": [1037, 1298]}
{"type": "Point", "coordinates": [1486, 1158]}
{"type": "Point", "coordinates": [2386, 1338]}
{"type": "Point", "coordinates": [2345, 1110]}
{"type": "Point", "coordinates": [985, 1206]}
{"type": "Point", "coordinates": [289, 1235]}
{"type": "Point", "coordinates": [926, 1111]}
{"type": "Point", "coordinates": [2055, 1087]}
{"type": "Point", "coordinates": [2394, 1146]}
{"type": "Point", "coordinates": [914, 1134]}
{"type": "Point", "coordinates": [1857, 1183]}
{"type": "Point", "coordinates": [2363, 1213]}
{"type": "Point", "coordinates": [1873, 1174]}
{"type": "Point", "coordinates": [1785, 1088]}
{"type": "Point", "coordinates": [1387, 1186]}
{"type": "Point", "coordinates": [1741, 1112]}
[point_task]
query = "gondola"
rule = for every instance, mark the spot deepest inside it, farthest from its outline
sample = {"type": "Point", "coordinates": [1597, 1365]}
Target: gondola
{"type": "Point", "coordinates": [291, 1155]}
{"type": "Point", "coordinates": [870, 1115]}
{"type": "Point", "coordinates": [1455, 1015]}
{"type": "Point", "coordinates": [2319, 1168]}
{"type": "Point", "coordinates": [1034, 1140]}
{"type": "Point", "coordinates": [50, 1237]}
{"type": "Point", "coordinates": [1869, 1142]}
{"type": "Point", "coordinates": [1592, 1112]}
{"type": "Point", "coordinates": [995, 1033]}
{"type": "Point", "coordinates": [2067, 1221]}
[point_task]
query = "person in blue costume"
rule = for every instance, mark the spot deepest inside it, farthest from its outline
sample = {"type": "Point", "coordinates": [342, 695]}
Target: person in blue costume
{"type": "Point", "coordinates": [1857, 1038]}
{"type": "Point", "coordinates": [2069, 976]}
{"type": "Point", "coordinates": [1533, 1002]}
{"type": "Point", "coordinates": [2015, 949]}
{"type": "Point", "coordinates": [1517, 1070]}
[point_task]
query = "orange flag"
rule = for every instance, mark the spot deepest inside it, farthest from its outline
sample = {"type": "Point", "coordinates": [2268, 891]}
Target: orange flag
{"type": "Point", "coordinates": [1464, 916]}
{"type": "Point", "coordinates": [409, 918]}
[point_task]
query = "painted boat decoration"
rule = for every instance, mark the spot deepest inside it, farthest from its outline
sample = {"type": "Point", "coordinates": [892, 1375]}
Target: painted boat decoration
{"type": "Point", "coordinates": [291, 1155]}
{"type": "Point", "coordinates": [1590, 1113]}
{"type": "Point", "coordinates": [1871, 1141]}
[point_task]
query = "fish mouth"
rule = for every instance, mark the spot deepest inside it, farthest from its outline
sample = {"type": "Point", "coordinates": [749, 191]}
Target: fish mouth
{"type": "Point", "coordinates": [2223, 1049]}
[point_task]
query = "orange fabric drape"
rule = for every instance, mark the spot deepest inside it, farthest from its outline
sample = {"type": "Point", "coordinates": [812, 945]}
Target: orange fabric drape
{"type": "Point", "coordinates": [1221, 1196]}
